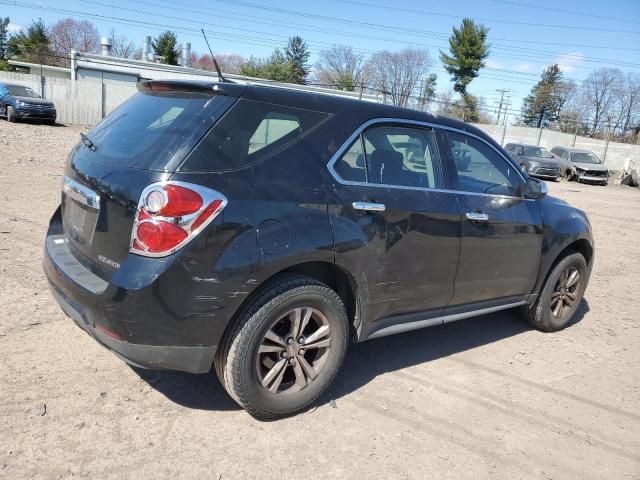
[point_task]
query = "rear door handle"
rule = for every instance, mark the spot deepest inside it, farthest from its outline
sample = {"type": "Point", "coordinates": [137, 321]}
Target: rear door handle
{"type": "Point", "coordinates": [369, 207]}
{"type": "Point", "coordinates": [477, 217]}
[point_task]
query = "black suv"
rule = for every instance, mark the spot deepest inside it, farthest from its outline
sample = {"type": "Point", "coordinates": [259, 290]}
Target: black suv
{"type": "Point", "coordinates": [257, 229]}
{"type": "Point", "coordinates": [18, 102]}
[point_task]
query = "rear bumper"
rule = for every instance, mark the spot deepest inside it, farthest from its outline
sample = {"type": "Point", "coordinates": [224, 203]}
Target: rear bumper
{"type": "Point", "coordinates": [155, 357]}
{"type": "Point", "coordinates": [152, 312]}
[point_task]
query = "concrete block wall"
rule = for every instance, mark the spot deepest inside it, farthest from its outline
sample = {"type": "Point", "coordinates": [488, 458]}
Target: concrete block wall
{"type": "Point", "coordinates": [616, 152]}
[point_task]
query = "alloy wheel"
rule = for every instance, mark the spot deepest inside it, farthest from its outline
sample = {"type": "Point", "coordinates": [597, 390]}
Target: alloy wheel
{"type": "Point", "coordinates": [565, 293]}
{"type": "Point", "coordinates": [293, 350]}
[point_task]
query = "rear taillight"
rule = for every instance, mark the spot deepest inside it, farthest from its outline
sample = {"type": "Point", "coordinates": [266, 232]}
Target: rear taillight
{"type": "Point", "coordinates": [170, 214]}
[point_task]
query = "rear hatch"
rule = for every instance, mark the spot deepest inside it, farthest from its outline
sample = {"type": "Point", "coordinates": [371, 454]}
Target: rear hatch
{"type": "Point", "coordinates": [141, 142]}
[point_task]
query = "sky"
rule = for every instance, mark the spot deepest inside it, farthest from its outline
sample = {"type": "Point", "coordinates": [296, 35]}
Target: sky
{"type": "Point", "coordinates": [525, 35]}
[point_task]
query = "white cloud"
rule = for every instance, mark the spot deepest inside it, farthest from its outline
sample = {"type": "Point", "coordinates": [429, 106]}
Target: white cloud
{"type": "Point", "coordinates": [493, 64]}
{"type": "Point", "coordinates": [523, 67]}
{"type": "Point", "coordinates": [14, 28]}
{"type": "Point", "coordinates": [569, 61]}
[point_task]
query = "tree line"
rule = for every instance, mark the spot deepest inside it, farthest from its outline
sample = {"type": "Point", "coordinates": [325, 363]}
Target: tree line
{"type": "Point", "coordinates": [607, 102]}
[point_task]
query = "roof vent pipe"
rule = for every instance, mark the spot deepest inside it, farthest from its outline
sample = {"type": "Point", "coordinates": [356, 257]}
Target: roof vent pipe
{"type": "Point", "coordinates": [146, 48]}
{"type": "Point", "coordinates": [105, 43]}
{"type": "Point", "coordinates": [186, 53]}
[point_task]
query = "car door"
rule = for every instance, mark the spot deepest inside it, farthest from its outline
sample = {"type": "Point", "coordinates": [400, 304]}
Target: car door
{"type": "Point", "coordinates": [390, 198]}
{"type": "Point", "coordinates": [501, 230]}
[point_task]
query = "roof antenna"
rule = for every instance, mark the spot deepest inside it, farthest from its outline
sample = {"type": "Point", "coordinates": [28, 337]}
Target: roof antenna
{"type": "Point", "coordinates": [215, 63]}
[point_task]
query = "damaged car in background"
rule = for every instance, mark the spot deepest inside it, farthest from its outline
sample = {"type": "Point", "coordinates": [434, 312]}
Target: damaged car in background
{"type": "Point", "coordinates": [581, 165]}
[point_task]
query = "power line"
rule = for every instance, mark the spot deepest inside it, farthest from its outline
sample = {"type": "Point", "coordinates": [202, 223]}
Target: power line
{"type": "Point", "coordinates": [540, 54]}
{"type": "Point", "coordinates": [572, 12]}
{"type": "Point", "coordinates": [494, 20]}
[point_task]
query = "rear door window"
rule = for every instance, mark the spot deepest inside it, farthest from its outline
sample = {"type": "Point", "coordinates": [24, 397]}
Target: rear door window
{"type": "Point", "coordinates": [249, 132]}
{"type": "Point", "coordinates": [155, 130]}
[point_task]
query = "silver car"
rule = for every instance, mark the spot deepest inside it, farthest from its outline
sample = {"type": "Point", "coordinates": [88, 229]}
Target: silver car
{"type": "Point", "coordinates": [581, 165]}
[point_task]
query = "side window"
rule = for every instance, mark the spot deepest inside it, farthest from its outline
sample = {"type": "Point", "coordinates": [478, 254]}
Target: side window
{"type": "Point", "coordinates": [351, 166]}
{"type": "Point", "coordinates": [402, 156]}
{"type": "Point", "coordinates": [483, 170]}
{"type": "Point", "coordinates": [248, 132]}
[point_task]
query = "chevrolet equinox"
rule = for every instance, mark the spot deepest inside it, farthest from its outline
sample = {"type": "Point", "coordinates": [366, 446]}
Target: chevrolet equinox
{"type": "Point", "coordinates": [256, 230]}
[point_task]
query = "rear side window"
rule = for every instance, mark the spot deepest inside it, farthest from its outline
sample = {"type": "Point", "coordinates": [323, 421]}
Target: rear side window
{"type": "Point", "coordinates": [155, 130]}
{"type": "Point", "coordinates": [393, 155]}
{"type": "Point", "coordinates": [249, 132]}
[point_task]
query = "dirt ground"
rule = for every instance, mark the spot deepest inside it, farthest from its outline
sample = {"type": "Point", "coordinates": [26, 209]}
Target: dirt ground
{"type": "Point", "coordinates": [484, 397]}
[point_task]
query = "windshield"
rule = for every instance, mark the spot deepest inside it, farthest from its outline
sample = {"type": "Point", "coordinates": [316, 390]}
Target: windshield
{"type": "Point", "coordinates": [584, 157]}
{"type": "Point", "coordinates": [537, 152]}
{"type": "Point", "coordinates": [152, 130]}
{"type": "Point", "coordinates": [20, 91]}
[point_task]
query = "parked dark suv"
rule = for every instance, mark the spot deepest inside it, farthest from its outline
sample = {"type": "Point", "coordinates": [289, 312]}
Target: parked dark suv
{"type": "Point", "coordinates": [536, 161]}
{"type": "Point", "coordinates": [257, 229]}
{"type": "Point", "coordinates": [18, 102]}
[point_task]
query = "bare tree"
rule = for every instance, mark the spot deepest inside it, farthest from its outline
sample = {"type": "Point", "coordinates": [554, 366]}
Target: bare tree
{"type": "Point", "coordinates": [600, 89]}
{"type": "Point", "coordinates": [69, 34]}
{"type": "Point", "coordinates": [229, 62]}
{"type": "Point", "coordinates": [340, 67]}
{"type": "Point", "coordinates": [122, 46]}
{"type": "Point", "coordinates": [628, 103]}
{"type": "Point", "coordinates": [397, 74]}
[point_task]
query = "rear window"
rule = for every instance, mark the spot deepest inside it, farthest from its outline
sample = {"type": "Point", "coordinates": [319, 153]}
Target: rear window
{"type": "Point", "coordinates": [155, 130]}
{"type": "Point", "coordinates": [249, 132]}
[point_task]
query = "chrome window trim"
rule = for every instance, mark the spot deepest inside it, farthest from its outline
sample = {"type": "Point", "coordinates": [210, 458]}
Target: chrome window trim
{"type": "Point", "coordinates": [413, 123]}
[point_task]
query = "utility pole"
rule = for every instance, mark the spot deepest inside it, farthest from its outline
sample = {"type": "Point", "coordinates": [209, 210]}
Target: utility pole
{"type": "Point", "coordinates": [575, 134]}
{"type": "Point", "coordinates": [502, 92]}
{"type": "Point", "coordinates": [606, 143]}
{"type": "Point", "coordinates": [540, 125]}
{"type": "Point", "coordinates": [506, 116]}
{"type": "Point", "coordinates": [361, 90]}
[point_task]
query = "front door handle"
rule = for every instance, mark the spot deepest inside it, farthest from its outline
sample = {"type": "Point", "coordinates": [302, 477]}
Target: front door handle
{"type": "Point", "coordinates": [369, 207]}
{"type": "Point", "coordinates": [477, 217]}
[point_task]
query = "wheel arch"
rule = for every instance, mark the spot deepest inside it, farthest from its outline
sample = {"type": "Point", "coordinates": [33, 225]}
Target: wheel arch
{"type": "Point", "coordinates": [579, 245]}
{"type": "Point", "coordinates": [335, 277]}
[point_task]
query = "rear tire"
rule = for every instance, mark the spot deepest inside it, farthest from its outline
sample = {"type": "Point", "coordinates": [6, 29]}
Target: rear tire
{"type": "Point", "coordinates": [285, 348]}
{"type": "Point", "coordinates": [561, 295]}
{"type": "Point", "coordinates": [11, 114]}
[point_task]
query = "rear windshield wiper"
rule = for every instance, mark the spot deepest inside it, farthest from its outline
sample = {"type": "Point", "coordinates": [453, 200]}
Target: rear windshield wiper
{"type": "Point", "coordinates": [87, 141]}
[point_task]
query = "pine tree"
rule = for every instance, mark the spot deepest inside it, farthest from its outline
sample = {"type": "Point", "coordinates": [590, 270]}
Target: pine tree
{"type": "Point", "coordinates": [32, 45]}
{"type": "Point", "coordinates": [297, 55]}
{"type": "Point", "coordinates": [165, 46]}
{"type": "Point", "coordinates": [468, 47]}
{"type": "Point", "coordinates": [545, 100]}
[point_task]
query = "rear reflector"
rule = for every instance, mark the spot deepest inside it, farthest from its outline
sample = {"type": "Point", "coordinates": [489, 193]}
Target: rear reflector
{"type": "Point", "coordinates": [170, 214]}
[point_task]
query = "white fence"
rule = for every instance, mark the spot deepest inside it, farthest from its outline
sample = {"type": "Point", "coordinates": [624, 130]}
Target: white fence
{"type": "Point", "coordinates": [84, 102]}
{"type": "Point", "coordinates": [87, 101]}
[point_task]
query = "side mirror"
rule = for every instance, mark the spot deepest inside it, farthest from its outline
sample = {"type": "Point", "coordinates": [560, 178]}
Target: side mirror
{"type": "Point", "coordinates": [535, 188]}
{"type": "Point", "coordinates": [552, 156]}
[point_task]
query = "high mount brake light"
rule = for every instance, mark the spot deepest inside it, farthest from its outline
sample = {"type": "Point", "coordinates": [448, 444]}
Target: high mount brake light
{"type": "Point", "coordinates": [170, 214]}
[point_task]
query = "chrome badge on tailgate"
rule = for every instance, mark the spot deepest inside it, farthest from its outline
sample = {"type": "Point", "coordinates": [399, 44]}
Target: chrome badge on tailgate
{"type": "Point", "coordinates": [80, 210]}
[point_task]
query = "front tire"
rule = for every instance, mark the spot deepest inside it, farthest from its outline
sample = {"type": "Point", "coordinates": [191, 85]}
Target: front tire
{"type": "Point", "coordinates": [11, 114]}
{"type": "Point", "coordinates": [561, 295]}
{"type": "Point", "coordinates": [285, 347]}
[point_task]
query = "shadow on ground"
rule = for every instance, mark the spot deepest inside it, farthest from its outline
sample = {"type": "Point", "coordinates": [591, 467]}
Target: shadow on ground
{"type": "Point", "coordinates": [364, 361]}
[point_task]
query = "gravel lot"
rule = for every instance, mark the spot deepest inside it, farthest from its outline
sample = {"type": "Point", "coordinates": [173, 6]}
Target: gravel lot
{"type": "Point", "coordinates": [484, 397]}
